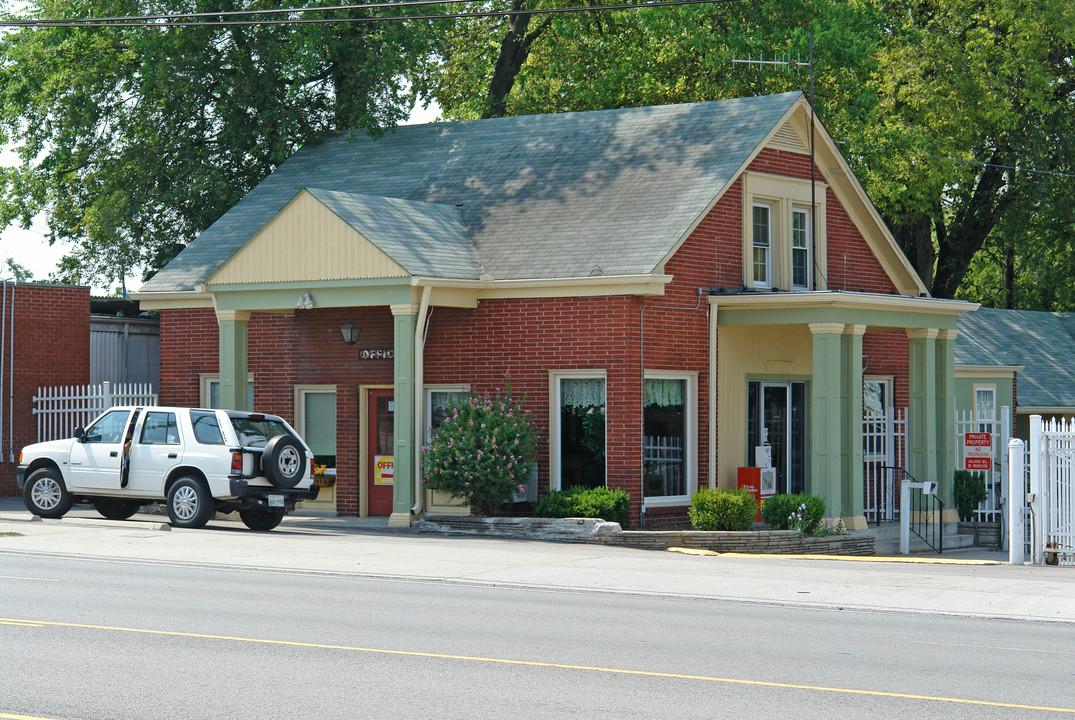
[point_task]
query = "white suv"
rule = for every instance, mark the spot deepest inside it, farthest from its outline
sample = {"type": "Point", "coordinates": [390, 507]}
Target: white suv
{"type": "Point", "coordinates": [195, 461]}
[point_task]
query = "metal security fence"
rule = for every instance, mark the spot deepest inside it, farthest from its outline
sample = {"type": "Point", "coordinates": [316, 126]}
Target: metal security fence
{"type": "Point", "coordinates": [61, 409]}
{"type": "Point", "coordinates": [994, 467]}
{"type": "Point", "coordinates": [884, 451]}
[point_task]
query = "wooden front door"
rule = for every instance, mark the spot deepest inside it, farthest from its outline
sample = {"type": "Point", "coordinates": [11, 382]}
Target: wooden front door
{"type": "Point", "coordinates": [381, 461]}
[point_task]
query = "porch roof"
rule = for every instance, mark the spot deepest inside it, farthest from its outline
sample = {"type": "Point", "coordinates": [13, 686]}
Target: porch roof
{"type": "Point", "coordinates": [736, 307]}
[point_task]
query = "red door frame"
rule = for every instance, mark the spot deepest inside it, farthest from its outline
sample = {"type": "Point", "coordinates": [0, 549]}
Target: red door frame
{"type": "Point", "coordinates": [379, 442]}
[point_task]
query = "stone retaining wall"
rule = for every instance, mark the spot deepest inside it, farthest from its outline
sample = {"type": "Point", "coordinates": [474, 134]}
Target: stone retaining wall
{"type": "Point", "coordinates": [590, 530]}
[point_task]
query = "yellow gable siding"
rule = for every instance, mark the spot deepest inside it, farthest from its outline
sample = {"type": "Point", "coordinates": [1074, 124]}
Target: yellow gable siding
{"type": "Point", "coordinates": [306, 242]}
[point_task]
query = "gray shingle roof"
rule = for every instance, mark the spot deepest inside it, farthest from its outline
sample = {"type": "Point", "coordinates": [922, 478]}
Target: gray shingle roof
{"type": "Point", "coordinates": [1039, 341]}
{"type": "Point", "coordinates": [543, 196]}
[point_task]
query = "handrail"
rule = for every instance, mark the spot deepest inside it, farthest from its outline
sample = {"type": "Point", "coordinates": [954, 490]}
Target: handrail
{"type": "Point", "coordinates": [920, 513]}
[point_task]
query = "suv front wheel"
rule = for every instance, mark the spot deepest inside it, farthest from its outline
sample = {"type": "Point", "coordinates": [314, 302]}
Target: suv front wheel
{"type": "Point", "coordinates": [190, 505]}
{"type": "Point", "coordinates": [46, 495]}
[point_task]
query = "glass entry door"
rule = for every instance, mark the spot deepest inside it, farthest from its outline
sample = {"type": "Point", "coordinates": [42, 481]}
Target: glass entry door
{"type": "Point", "coordinates": [780, 408]}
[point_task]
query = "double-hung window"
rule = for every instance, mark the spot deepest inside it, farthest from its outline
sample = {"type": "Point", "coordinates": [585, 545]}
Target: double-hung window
{"type": "Point", "coordinates": [763, 246]}
{"type": "Point", "coordinates": [800, 249]}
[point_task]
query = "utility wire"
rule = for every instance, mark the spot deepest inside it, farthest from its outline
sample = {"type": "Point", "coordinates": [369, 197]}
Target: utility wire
{"type": "Point", "coordinates": [196, 19]}
{"type": "Point", "coordinates": [1017, 168]}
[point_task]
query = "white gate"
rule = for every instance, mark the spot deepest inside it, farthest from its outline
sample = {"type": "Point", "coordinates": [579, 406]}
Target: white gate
{"type": "Point", "coordinates": [884, 448]}
{"type": "Point", "coordinates": [60, 410]}
{"type": "Point", "coordinates": [996, 497]}
{"type": "Point", "coordinates": [1052, 491]}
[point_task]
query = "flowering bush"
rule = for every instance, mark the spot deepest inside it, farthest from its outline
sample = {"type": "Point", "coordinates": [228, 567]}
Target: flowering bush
{"type": "Point", "coordinates": [793, 512]}
{"type": "Point", "coordinates": [482, 452]}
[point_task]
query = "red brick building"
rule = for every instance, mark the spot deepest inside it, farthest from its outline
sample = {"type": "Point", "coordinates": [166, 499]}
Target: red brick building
{"type": "Point", "coordinates": [669, 288]}
{"type": "Point", "coordinates": [45, 332]}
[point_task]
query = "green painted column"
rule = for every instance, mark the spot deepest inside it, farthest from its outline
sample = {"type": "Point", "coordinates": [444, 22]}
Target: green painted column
{"type": "Point", "coordinates": [851, 465]}
{"type": "Point", "coordinates": [946, 413]}
{"type": "Point", "coordinates": [403, 498]}
{"type": "Point", "coordinates": [233, 358]}
{"type": "Point", "coordinates": [826, 415]}
{"type": "Point", "coordinates": [922, 412]}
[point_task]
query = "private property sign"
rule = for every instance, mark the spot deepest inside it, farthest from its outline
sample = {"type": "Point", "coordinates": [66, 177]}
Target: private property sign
{"type": "Point", "coordinates": [978, 451]}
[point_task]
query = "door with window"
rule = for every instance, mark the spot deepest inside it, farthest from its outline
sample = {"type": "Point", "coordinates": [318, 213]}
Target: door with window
{"type": "Point", "coordinates": [780, 409]}
{"type": "Point", "coordinates": [380, 441]}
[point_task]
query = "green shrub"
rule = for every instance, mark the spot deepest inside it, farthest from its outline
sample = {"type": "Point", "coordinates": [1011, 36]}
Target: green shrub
{"type": "Point", "coordinates": [605, 503]}
{"type": "Point", "coordinates": [717, 509]}
{"type": "Point", "coordinates": [969, 492]}
{"type": "Point", "coordinates": [793, 512]}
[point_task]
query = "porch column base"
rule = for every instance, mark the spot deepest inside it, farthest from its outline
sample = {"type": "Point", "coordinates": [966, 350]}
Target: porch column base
{"type": "Point", "coordinates": [855, 522]}
{"type": "Point", "coordinates": [398, 519]}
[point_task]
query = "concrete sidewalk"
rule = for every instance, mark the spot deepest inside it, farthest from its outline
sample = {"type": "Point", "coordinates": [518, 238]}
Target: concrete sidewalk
{"type": "Point", "coordinates": [368, 548]}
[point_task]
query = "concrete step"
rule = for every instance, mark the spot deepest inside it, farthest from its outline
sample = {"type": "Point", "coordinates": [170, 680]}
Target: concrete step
{"type": "Point", "coordinates": [887, 539]}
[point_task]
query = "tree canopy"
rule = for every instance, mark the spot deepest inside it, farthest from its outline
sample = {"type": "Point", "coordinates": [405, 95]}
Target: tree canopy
{"type": "Point", "coordinates": [134, 140]}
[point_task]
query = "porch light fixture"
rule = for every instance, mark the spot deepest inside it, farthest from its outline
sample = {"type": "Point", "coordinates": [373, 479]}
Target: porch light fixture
{"type": "Point", "coordinates": [350, 332]}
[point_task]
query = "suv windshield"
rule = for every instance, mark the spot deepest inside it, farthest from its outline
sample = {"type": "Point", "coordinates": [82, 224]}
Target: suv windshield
{"type": "Point", "coordinates": [257, 432]}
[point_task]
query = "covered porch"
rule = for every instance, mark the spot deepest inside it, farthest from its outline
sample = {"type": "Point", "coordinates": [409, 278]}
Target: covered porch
{"type": "Point", "coordinates": [812, 344]}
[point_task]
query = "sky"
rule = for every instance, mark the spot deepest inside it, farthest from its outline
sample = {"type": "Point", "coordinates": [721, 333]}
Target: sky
{"type": "Point", "coordinates": [30, 248]}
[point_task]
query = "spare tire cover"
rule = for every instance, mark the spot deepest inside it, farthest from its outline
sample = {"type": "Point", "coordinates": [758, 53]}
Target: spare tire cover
{"type": "Point", "coordinates": [284, 461]}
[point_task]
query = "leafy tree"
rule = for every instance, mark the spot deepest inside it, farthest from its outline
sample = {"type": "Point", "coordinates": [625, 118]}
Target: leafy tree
{"type": "Point", "coordinates": [19, 272]}
{"type": "Point", "coordinates": [134, 140]}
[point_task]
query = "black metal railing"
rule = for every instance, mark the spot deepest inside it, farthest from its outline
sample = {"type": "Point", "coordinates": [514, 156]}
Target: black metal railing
{"type": "Point", "coordinates": [925, 511]}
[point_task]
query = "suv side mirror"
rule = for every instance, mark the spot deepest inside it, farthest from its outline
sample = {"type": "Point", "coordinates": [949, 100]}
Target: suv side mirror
{"type": "Point", "coordinates": [80, 434]}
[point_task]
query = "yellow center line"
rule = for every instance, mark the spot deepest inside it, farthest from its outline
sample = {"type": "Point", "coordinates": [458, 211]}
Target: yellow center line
{"type": "Point", "coordinates": [22, 717]}
{"type": "Point", "coordinates": [535, 663]}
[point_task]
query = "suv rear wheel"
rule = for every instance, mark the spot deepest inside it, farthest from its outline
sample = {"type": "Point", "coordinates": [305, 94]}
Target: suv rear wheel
{"type": "Point", "coordinates": [258, 519]}
{"type": "Point", "coordinates": [189, 503]}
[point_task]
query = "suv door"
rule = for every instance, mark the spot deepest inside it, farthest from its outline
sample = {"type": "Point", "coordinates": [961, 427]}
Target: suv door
{"type": "Point", "coordinates": [97, 457]}
{"type": "Point", "coordinates": [157, 449]}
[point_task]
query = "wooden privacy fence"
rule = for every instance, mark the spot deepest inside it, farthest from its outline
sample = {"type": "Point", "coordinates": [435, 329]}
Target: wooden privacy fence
{"type": "Point", "coordinates": [61, 409]}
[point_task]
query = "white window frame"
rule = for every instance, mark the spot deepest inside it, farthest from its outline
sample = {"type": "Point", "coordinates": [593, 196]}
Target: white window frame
{"type": "Point", "coordinates": [992, 391]}
{"type": "Point", "coordinates": [808, 249]}
{"type": "Point", "coordinates": [785, 196]}
{"type": "Point", "coordinates": [206, 380]}
{"type": "Point", "coordinates": [555, 376]}
{"type": "Point", "coordinates": [766, 247]}
{"type": "Point", "coordinates": [429, 390]}
{"type": "Point", "coordinates": [690, 436]}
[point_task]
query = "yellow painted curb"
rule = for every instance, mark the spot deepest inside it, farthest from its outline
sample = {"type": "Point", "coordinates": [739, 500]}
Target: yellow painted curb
{"type": "Point", "coordinates": [692, 551]}
{"type": "Point", "coordinates": [871, 558]}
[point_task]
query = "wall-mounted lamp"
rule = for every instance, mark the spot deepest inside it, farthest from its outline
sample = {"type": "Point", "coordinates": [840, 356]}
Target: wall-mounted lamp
{"type": "Point", "coordinates": [305, 302]}
{"type": "Point", "coordinates": [350, 332]}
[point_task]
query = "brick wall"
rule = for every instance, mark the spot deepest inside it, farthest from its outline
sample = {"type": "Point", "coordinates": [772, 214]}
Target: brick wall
{"type": "Point", "coordinates": [51, 347]}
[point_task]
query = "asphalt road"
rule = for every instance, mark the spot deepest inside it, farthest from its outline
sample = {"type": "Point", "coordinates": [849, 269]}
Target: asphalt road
{"type": "Point", "coordinates": [105, 638]}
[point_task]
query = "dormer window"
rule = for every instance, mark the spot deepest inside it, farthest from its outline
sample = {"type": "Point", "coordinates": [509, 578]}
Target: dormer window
{"type": "Point", "coordinates": [780, 249]}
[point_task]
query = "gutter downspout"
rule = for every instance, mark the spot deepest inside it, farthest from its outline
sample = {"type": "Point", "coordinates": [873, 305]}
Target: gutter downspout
{"type": "Point", "coordinates": [642, 361]}
{"type": "Point", "coordinates": [3, 339]}
{"type": "Point", "coordinates": [11, 385]}
{"type": "Point", "coordinates": [419, 399]}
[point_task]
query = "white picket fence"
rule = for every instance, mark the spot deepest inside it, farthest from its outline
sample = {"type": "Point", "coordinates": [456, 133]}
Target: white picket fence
{"type": "Point", "coordinates": [1051, 493]}
{"type": "Point", "coordinates": [61, 409]}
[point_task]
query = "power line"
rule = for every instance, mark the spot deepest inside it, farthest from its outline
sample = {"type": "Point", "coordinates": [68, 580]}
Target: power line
{"type": "Point", "coordinates": [199, 19]}
{"type": "Point", "coordinates": [981, 163]}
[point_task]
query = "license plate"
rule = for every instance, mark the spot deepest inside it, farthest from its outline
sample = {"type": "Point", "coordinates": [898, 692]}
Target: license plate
{"type": "Point", "coordinates": [276, 500]}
